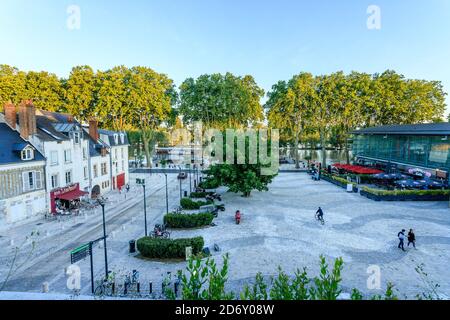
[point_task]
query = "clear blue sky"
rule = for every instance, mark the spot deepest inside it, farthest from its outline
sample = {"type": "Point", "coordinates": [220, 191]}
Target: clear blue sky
{"type": "Point", "coordinates": [272, 40]}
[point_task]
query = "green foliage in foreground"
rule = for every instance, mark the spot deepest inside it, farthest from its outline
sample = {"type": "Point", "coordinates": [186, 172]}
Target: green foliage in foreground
{"type": "Point", "coordinates": [182, 220]}
{"type": "Point", "coordinates": [168, 248]}
{"type": "Point", "coordinates": [205, 281]}
{"type": "Point", "coordinates": [379, 192]}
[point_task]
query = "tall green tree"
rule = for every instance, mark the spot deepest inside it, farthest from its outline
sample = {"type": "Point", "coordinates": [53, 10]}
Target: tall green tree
{"type": "Point", "coordinates": [80, 89]}
{"type": "Point", "coordinates": [45, 90]}
{"type": "Point", "coordinates": [149, 101]}
{"type": "Point", "coordinates": [221, 101]}
{"type": "Point", "coordinates": [290, 108]}
{"type": "Point", "coordinates": [12, 85]}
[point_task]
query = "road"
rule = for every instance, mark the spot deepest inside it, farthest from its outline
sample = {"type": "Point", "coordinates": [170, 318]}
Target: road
{"type": "Point", "coordinates": [51, 256]}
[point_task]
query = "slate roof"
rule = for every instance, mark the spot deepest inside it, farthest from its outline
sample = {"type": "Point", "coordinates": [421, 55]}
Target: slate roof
{"type": "Point", "coordinates": [111, 141]}
{"type": "Point", "coordinates": [10, 144]}
{"type": "Point", "coordinates": [425, 129]}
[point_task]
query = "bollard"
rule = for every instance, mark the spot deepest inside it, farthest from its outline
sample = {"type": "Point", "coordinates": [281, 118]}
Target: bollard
{"type": "Point", "coordinates": [12, 242]}
{"type": "Point", "coordinates": [45, 287]}
{"type": "Point", "coordinates": [150, 287]}
{"type": "Point", "coordinates": [125, 288]}
{"type": "Point", "coordinates": [138, 287]}
{"type": "Point", "coordinates": [175, 287]}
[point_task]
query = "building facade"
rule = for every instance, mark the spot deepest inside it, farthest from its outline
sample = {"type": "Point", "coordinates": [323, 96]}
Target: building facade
{"type": "Point", "coordinates": [69, 162]}
{"type": "Point", "coordinates": [424, 146]}
{"type": "Point", "coordinates": [22, 177]}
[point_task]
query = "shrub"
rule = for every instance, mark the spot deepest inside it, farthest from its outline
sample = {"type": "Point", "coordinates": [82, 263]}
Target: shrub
{"type": "Point", "coordinates": [379, 192]}
{"type": "Point", "coordinates": [168, 248]}
{"type": "Point", "coordinates": [196, 195]}
{"type": "Point", "coordinates": [180, 220]}
{"type": "Point", "coordinates": [337, 179]}
{"type": "Point", "coordinates": [210, 183]}
{"type": "Point", "coordinates": [189, 204]}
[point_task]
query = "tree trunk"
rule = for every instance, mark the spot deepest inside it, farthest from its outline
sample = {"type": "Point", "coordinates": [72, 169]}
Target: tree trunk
{"type": "Point", "coordinates": [146, 142]}
{"type": "Point", "coordinates": [297, 164]}
{"type": "Point", "coordinates": [347, 153]}
{"type": "Point", "coordinates": [322, 145]}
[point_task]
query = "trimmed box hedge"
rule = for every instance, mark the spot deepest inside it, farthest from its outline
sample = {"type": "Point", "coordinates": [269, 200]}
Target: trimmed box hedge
{"type": "Point", "coordinates": [405, 195]}
{"type": "Point", "coordinates": [197, 195]}
{"type": "Point", "coordinates": [158, 248]}
{"type": "Point", "coordinates": [181, 220]}
{"type": "Point", "coordinates": [189, 204]}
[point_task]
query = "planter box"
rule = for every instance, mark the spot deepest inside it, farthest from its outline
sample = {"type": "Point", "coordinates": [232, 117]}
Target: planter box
{"type": "Point", "coordinates": [409, 197]}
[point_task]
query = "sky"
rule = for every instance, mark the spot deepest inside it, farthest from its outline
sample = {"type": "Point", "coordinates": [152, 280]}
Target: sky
{"type": "Point", "coordinates": [271, 40]}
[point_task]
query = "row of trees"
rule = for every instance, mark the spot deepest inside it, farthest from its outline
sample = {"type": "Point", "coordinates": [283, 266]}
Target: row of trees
{"type": "Point", "coordinates": [311, 109]}
{"type": "Point", "coordinates": [307, 109]}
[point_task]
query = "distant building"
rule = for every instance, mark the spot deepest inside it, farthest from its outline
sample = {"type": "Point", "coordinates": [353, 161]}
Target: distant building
{"type": "Point", "coordinates": [404, 147]}
{"type": "Point", "coordinates": [22, 176]}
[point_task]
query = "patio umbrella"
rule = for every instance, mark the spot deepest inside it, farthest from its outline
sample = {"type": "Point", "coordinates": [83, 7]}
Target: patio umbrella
{"type": "Point", "coordinates": [397, 176]}
{"type": "Point", "coordinates": [409, 183]}
{"type": "Point", "coordinates": [419, 172]}
{"type": "Point", "coordinates": [431, 183]}
{"type": "Point", "coordinates": [382, 176]}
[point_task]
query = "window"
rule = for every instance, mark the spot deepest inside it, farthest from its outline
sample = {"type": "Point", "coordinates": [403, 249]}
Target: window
{"type": "Point", "coordinates": [86, 173]}
{"type": "Point", "coordinates": [122, 151]}
{"type": "Point", "coordinates": [122, 138]}
{"type": "Point", "coordinates": [76, 137]}
{"type": "Point", "coordinates": [55, 181]}
{"type": "Point", "coordinates": [116, 138]}
{"type": "Point", "coordinates": [116, 154]}
{"type": "Point", "coordinates": [104, 169]}
{"type": "Point", "coordinates": [54, 158]}
{"type": "Point", "coordinates": [95, 171]}
{"type": "Point", "coordinates": [69, 177]}
{"type": "Point", "coordinates": [84, 154]}
{"type": "Point", "coordinates": [32, 180]}
{"type": "Point", "coordinates": [123, 165]}
{"type": "Point", "coordinates": [67, 156]}
{"type": "Point", "coordinates": [27, 154]}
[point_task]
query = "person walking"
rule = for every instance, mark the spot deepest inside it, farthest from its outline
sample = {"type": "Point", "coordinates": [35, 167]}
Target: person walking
{"type": "Point", "coordinates": [411, 238]}
{"type": "Point", "coordinates": [401, 238]}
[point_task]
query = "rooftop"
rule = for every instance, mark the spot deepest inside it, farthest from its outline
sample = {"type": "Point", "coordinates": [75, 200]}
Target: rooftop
{"type": "Point", "coordinates": [424, 129]}
{"type": "Point", "coordinates": [11, 144]}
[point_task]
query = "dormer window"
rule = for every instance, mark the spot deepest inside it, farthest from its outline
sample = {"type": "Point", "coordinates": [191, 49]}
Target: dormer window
{"type": "Point", "coordinates": [27, 154]}
{"type": "Point", "coordinates": [122, 138]}
{"type": "Point", "coordinates": [116, 138]}
{"type": "Point", "coordinates": [77, 137]}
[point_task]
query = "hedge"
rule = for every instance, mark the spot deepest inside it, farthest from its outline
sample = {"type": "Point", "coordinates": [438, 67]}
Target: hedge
{"type": "Point", "coordinates": [180, 220]}
{"type": "Point", "coordinates": [338, 179]}
{"type": "Point", "coordinates": [189, 204]}
{"type": "Point", "coordinates": [196, 195]}
{"type": "Point", "coordinates": [379, 192]}
{"type": "Point", "coordinates": [158, 248]}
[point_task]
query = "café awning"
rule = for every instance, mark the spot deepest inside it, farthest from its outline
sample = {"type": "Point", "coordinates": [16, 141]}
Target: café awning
{"type": "Point", "coordinates": [72, 195]}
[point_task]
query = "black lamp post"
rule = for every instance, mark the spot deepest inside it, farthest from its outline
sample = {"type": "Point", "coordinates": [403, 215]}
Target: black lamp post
{"type": "Point", "coordinates": [145, 211]}
{"type": "Point", "coordinates": [179, 178]}
{"type": "Point", "coordinates": [102, 203]}
{"type": "Point", "coordinates": [167, 195]}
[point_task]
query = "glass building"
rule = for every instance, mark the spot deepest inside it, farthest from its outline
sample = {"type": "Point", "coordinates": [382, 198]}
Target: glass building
{"type": "Point", "coordinates": [424, 146]}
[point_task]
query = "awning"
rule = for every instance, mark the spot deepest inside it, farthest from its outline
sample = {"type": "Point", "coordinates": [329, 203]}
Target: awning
{"type": "Point", "coordinates": [72, 195]}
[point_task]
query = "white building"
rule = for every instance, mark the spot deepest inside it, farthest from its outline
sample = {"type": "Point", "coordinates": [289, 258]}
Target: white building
{"type": "Point", "coordinates": [64, 144]}
{"type": "Point", "coordinates": [22, 172]}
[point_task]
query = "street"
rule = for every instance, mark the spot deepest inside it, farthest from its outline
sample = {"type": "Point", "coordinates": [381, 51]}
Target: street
{"type": "Point", "coordinates": [51, 254]}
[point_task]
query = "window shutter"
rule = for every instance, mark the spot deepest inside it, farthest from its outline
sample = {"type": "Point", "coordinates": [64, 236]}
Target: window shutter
{"type": "Point", "coordinates": [26, 184]}
{"type": "Point", "coordinates": [38, 180]}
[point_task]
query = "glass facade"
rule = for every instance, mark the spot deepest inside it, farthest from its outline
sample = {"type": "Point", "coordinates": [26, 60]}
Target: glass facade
{"type": "Point", "coordinates": [422, 151]}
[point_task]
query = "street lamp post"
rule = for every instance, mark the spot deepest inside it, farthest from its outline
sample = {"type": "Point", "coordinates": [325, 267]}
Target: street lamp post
{"type": "Point", "coordinates": [145, 211]}
{"type": "Point", "coordinates": [102, 203]}
{"type": "Point", "coordinates": [167, 195]}
{"type": "Point", "coordinates": [179, 178]}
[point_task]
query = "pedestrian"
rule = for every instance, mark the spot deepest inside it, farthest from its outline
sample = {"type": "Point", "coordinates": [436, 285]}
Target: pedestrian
{"type": "Point", "coordinates": [128, 187]}
{"type": "Point", "coordinates": [401, 238]}
{"type": "Point", "coordinates": [411, 238]}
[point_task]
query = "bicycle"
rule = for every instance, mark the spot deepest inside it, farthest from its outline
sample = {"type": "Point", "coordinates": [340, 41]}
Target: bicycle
{"type": "Point", "coordinates": [105, 287]}
{"type": "Point", "coordinates": [160, 232]}
{"type": "Point", "coordinates": [320, 219]}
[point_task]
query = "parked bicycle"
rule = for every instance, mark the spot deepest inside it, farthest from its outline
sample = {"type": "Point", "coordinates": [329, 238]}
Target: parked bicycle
{"type": "Point", "coordinates": [160, 232]}
{"type": "Point", "coordinates": [105, 287]}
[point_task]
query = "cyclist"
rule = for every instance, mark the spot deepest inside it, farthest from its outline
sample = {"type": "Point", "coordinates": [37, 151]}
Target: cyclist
{"type": "Point", "coordinates": [319, 214]}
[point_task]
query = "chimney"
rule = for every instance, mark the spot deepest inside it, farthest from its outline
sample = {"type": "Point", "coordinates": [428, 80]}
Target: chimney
{"type": "Point", "coordinates": [10, 115]}
{"type": "Point", "coordinates": [93, 129]}
{"type": "Point", "coordinates": [27, 119]}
